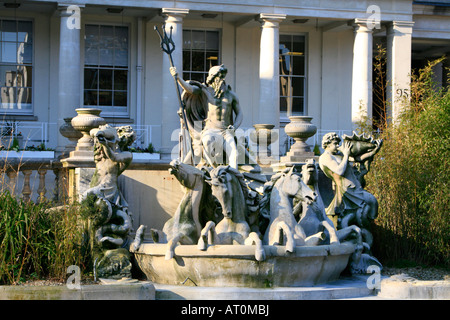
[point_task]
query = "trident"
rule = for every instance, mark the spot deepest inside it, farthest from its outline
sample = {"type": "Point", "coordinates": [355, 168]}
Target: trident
{"type": "Point", "coordinates": [168, 46]}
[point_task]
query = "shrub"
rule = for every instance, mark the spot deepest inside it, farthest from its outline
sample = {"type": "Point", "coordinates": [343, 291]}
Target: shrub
{"type": "Point", "coordinates": [36, 242]}
{"type": "Point", "coordinates": [411, 178]}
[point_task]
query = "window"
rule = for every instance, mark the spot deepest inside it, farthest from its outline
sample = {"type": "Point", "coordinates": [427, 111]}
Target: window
{"type": "Point", "coordinates": [200, 53]}
{"type": "Point", "coordinates": [292, 75]}
{"type": "Point", "coordinates": [106, 68]}
{"type": "Point", "coordinates": [16, 66]}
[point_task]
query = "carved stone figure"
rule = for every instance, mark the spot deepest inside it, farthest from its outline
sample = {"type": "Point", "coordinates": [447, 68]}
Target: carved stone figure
{"type": "Point", "coordinates": [216, 108]}
{"type": "Point", "coordinates": [351, 205]}
{"type": "Point", "coordinates": [195, 209]}
{"type": "Point", "coordinates": [228, 186]}
{"type": "Point", "coordinates": [283, 228]}
{"type": "Point", "coordinates": [107, 210]}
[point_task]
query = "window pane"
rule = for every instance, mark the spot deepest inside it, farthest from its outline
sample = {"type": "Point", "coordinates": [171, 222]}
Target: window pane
{"type": "Point", "coordinates": [200, 77]}
{"type": "Point", "coordinates": [105, 98]}
{"type": "Point", "coordinates": [198, 40]}
{"type": "Point", "coordinates": [9, 52]}
{"type": "Point", "coordinates": [105, 79]}
{"type": "Point", "coordinates": [212, 59]}
{"type": "Point", "coordinates": [298, 87]}
{"type": "Point", "coordinates": [286, 86]}
{"type": "Point", "coordinates": [297, 105]}
{"type": "Point", "coordinates": [25, 31]}
{"type": "Point", "coordinates": [9, 30]}
{"type": "Point", "coordinates": [91, 56]}
{"type": "Point", "coordinates": [106, 55]}
{"type": "Point", "coordinates": [7, 76]}
{"type": "Point", "coordinates": [285, 64]}
{"type": "Point", "coordinates": [90, 78]}
{"type": "Point", "coordinates": [298, 44]}
{"type": "Point", "coordinates": [24, 53]}
{"type": "Point", "coordinates": [120, 79]}
{"type": "Point", "coordinates": [186, 60]}
{"type": "Point", "coordinates": [121, 58]}
{"type": "Point", "coordinates": [107, 36]}
{"type": "Point", "coordinates": [283, 104]}
{"type": "Point", "coordinates": [121, 38]}
{"type": "Point", "coordinates": [212, 40]}
{"type": "Point", "coordinates": [198, 61]}
{"type": "Point", "coordinates": [24, 98]}
{"type": "Point", "coordinates": [92, 33]}
{"type": "Point", "coordinates": [186, 39]}
{"type": "Point", "coordinates": [27, 72]}
{"type": "Point", "coordinates": [299, 65]}
{"type": "Point", "coordinates": [120, 98]}
{"type": "Point", "coordinates": [90, 98]}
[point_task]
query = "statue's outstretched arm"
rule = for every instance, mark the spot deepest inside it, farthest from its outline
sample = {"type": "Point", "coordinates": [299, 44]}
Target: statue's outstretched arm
{"type": "Point", "coordinates": [186, 86]}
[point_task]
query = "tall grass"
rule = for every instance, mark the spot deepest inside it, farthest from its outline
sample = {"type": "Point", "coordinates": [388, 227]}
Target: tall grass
{"type": "Point", "coordinates": [411, 178]}
{"type": "Point", "coordinates": [37, 243]}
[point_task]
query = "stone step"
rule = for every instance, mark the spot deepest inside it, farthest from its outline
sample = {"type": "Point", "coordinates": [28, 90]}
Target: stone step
{"type": "Point", "coordinates": [344, 288]}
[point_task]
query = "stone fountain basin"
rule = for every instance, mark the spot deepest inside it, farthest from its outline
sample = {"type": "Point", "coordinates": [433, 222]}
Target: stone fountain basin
{"type": "Point", "coordinates": [236, 266]}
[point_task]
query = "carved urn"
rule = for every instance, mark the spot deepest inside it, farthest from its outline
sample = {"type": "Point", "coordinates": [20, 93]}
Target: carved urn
{"type": "Point", "coordinates": [86, 120]}
{"type": "Point", "coordinates": [264, 136]}
{"type": "Point", "coordinates": [300, 129]}
{"type": "Point", "coordinates": [69, 132]}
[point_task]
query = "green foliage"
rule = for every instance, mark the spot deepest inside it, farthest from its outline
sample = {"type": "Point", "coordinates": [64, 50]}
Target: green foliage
{"type": "Point", "coordinates": [36, 242]}
{"type": "Point", "coordinates": [411, 178]}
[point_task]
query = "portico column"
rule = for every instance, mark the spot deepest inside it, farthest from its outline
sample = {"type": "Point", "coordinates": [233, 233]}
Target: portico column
{"type": "Point", "coordinates": [398, 66]}
{"type": "Point", "coordinates": [269, 82]}
{"type": "Point", "coordinates": [170, 119]}
{"type": "Point", "coordinates": [69, 89]}
{"type": "Point", "coordinates": [362, 71]}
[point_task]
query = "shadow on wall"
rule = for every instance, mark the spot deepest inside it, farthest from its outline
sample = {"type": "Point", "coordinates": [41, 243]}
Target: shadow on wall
{"type": "Point", "coordinates": [153, 196]}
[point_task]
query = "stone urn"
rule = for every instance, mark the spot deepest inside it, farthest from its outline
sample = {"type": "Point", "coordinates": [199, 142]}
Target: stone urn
{"type": "Point", "coordinates": [86, 120]}
{"type": "Point", "coordinates": [264, 136]}
{"type": "Point", "coordinates": [69, 132]}
{"type": "Point", "coordinates": [300, 129]}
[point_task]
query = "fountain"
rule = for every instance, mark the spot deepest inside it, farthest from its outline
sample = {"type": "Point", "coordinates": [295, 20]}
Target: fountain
{"type": "Point", "coordinates": [232, 228]}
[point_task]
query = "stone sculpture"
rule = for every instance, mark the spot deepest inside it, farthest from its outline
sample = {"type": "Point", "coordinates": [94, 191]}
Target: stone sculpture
{"type": "Point", "coordinates": [283, 228]}
{"type": "Point", "coordinates": [351, 205]}
{"type": "Point", "coordinates": [195, 209]}
{"type": "Point", "coordinates": [213, 114]}
{"type": "Point", "coordinates": [228, 186]}
{"type": "Point", "coordinates": [109, 221]}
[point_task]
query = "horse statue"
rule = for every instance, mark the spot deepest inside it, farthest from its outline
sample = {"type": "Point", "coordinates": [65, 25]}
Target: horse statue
{"type": "Point", "coordinates": [228, 186]}
{"type": "Point", "coordinates": [312, 215]}
{"type": "Point", "coordinates": [195, 209]}
{"type": "Point", "coordinates": [283, 228]}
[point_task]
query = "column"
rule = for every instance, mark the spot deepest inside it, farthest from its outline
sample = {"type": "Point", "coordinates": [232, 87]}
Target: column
{"type": "Point", "coordinates": [269, 82]}
{"type": "Point", "coordinates": [362, 71]}
{"type": "Point", "coordinates": [69, 66]}
{"type": "Point", "coordinates": [398, 66]}
{"type": "Point", "coordinates": [170, 119]}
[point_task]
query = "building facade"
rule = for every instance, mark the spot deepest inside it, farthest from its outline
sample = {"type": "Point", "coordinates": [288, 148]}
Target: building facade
{"type": "Point", "coordinates": [283, 57]}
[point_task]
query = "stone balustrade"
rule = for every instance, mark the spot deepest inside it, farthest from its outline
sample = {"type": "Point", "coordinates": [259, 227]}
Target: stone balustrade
{"type": "Point", "coordinates": [34, 179]}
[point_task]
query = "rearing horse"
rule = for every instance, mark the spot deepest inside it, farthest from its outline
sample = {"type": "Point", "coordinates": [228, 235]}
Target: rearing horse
{"type": "Point", "coordinates": [228, 187]}
{"type": "Point", "coordinates": [195, 209]}
{"type": "Point", "coordinates": [283, 227]}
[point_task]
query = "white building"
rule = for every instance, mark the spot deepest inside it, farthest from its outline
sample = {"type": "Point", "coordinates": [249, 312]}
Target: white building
{"type": "Point", "coordinates": [283, 57]}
